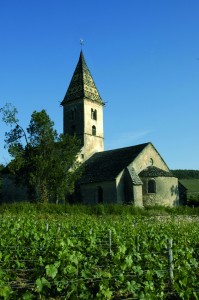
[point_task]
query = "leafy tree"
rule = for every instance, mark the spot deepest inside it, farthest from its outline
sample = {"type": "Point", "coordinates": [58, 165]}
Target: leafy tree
{"type": "Point", "coordinates": [43, 160]}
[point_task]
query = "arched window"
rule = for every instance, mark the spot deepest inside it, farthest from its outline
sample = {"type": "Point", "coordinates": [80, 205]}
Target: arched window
{"type": "Point", "coordinates": [99, 194]}
{"type": "Point", "coordinates": [93, 114]}
{"type": "Point", "coordinates": [150, 161]}
{"type": "Point", "coordinates": [93, 130]}
{"type": "Point", "coordinates": [151, 186]}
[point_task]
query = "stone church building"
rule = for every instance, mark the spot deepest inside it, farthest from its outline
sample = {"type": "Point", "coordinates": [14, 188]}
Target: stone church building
{"type": "Point", "coordinates": [136, 174]}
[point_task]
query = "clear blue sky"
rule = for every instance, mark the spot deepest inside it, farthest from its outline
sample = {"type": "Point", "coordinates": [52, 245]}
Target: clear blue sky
{"type": "Point", "coordinates": [142, 54]}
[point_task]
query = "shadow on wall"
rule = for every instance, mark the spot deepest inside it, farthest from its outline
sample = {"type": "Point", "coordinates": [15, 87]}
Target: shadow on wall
{"type": "Point", "coordinates": [174, 190]}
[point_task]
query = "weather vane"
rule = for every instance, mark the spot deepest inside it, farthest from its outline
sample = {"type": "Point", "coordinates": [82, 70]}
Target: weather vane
{"type": "Point", "coordinates": [81, 42]}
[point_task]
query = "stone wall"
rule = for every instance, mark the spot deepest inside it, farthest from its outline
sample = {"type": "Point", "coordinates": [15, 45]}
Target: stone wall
{"type": "Point", "coordinates": [138, 197]}
{"type": "Point", "coordinates": [93, 143]}
{"type": "Point", "coordinates": [166, 192]}
{"type": "Point", "coordinates": [89, 192]}
{"type": "Point", "coordinates": [77, 120]}
{"type": "Point", "coordinates": [120, 186]}
{"type": "Point", "coordinates": [149, 156]}
{"type": "Point", "coordinates": [127, 192]}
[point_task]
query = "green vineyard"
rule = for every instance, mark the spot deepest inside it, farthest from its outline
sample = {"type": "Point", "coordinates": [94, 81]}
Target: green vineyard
{"type": "Point", "coordinates": [98, 257]}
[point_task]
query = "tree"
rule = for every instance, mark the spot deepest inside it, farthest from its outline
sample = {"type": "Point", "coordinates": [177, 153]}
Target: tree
{"type": "Point", "coordinates": [43, 160]}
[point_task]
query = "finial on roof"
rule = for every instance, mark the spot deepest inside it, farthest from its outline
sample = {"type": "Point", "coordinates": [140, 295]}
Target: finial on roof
{"type": "Point", "coordinates": [81, 42]}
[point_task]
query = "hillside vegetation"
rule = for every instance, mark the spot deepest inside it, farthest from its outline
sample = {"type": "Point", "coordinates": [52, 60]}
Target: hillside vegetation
{"type": "Point", "coordinates": [186, 174]}
{"type": "Point", "coordinates": [191, 184]}
{"type": "Point", "coordinates": [190, 179]}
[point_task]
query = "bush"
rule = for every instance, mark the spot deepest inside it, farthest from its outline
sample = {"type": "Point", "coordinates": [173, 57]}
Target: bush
{"type": "Point", "coordinates": [99, 209]}
{"type": "Point", "coordinates": [193, 199]}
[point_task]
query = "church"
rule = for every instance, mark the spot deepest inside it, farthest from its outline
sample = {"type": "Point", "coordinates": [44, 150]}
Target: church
{"type": "Point", "coordinates": [136, 174]}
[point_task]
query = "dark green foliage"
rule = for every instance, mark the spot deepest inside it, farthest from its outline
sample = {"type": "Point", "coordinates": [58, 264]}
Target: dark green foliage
{"type": "Point", "coordinates": [46, 162]}
{"type": "Point", "coordinates": [1, 168]}
{"type": "Point", "coordinates": [190, 179]}
{"type": "Point", "coordinates": [186, 174]}
{"type": "Point", "coordinates": [192, 186]}
{"type": "Point", "coordinates": [193, 200]}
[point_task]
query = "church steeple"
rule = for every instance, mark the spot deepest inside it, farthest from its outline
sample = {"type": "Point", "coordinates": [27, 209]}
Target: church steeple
{"type": "Point", "coordinates": [82, 84]}
{"type": "Point", "coordinates": [83, 110]}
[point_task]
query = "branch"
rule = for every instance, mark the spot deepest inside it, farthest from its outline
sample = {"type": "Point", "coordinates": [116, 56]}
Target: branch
{"type": "Point", "coordinates": [9, 118]}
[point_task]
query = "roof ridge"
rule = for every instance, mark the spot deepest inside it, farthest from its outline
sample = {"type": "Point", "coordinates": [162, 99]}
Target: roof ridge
{"type": "Point", "coordinates": [125, 148]}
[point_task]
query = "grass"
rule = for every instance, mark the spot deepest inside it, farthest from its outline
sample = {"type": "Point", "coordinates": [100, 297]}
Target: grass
{"type": "Point", "coordinates": [98, 210]}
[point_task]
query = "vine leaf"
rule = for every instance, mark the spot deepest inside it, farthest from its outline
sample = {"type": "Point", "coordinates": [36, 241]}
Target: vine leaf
{"type": "Point", "coordinates": [41, 283]}
{"type": "Point", "coordinates": [51, 271]}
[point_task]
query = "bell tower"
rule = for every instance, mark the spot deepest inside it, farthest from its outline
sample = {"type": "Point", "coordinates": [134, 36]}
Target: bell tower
{"type": "Point", "coordinates": [83, 110]}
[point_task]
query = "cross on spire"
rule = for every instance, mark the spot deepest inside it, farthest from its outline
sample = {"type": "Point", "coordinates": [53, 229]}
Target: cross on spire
{"type": "Point", "coordinates": [81, 42]}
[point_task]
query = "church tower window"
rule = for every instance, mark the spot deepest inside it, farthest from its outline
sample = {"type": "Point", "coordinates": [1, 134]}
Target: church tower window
{"type": "Point", "coordinates": [93, 114]}
{"type": "Point", "coordinates": [73, 114]}
{"type": "Point", "coordinates": [151, 186]}
{"type": "Point", "coordinates": [93, 130]}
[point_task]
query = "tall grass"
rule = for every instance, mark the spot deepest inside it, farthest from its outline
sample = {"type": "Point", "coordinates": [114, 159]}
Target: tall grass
{"type": "Point", "coordinates": [98, 210]}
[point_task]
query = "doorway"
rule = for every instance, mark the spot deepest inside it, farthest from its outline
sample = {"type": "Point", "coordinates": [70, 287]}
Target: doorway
{"type": "Point", "coordinates": [99, 195]}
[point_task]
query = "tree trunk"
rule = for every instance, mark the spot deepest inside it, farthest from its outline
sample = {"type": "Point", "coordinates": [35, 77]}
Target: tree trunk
{"type": "Point", "coordinates": [31, 194]}
{"type": "Point", "coordinates": [43, 192]}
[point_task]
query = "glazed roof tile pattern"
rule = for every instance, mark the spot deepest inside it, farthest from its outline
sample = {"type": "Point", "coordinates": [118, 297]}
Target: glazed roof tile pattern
{"type": "Point", "coordinates": [152, 171]}
{"type": "Point", "coordinates": [106, 165]}
{"type": "Point", "coordinates": [82, 84]}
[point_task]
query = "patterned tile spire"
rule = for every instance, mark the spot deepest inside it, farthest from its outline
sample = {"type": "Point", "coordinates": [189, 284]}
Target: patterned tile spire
{"type": "Point", "coordinates": [82, 84]}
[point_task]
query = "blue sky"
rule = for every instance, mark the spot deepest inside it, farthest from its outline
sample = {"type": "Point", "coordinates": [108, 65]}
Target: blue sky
{"type": "Point", "coordinates": [142, 54]}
